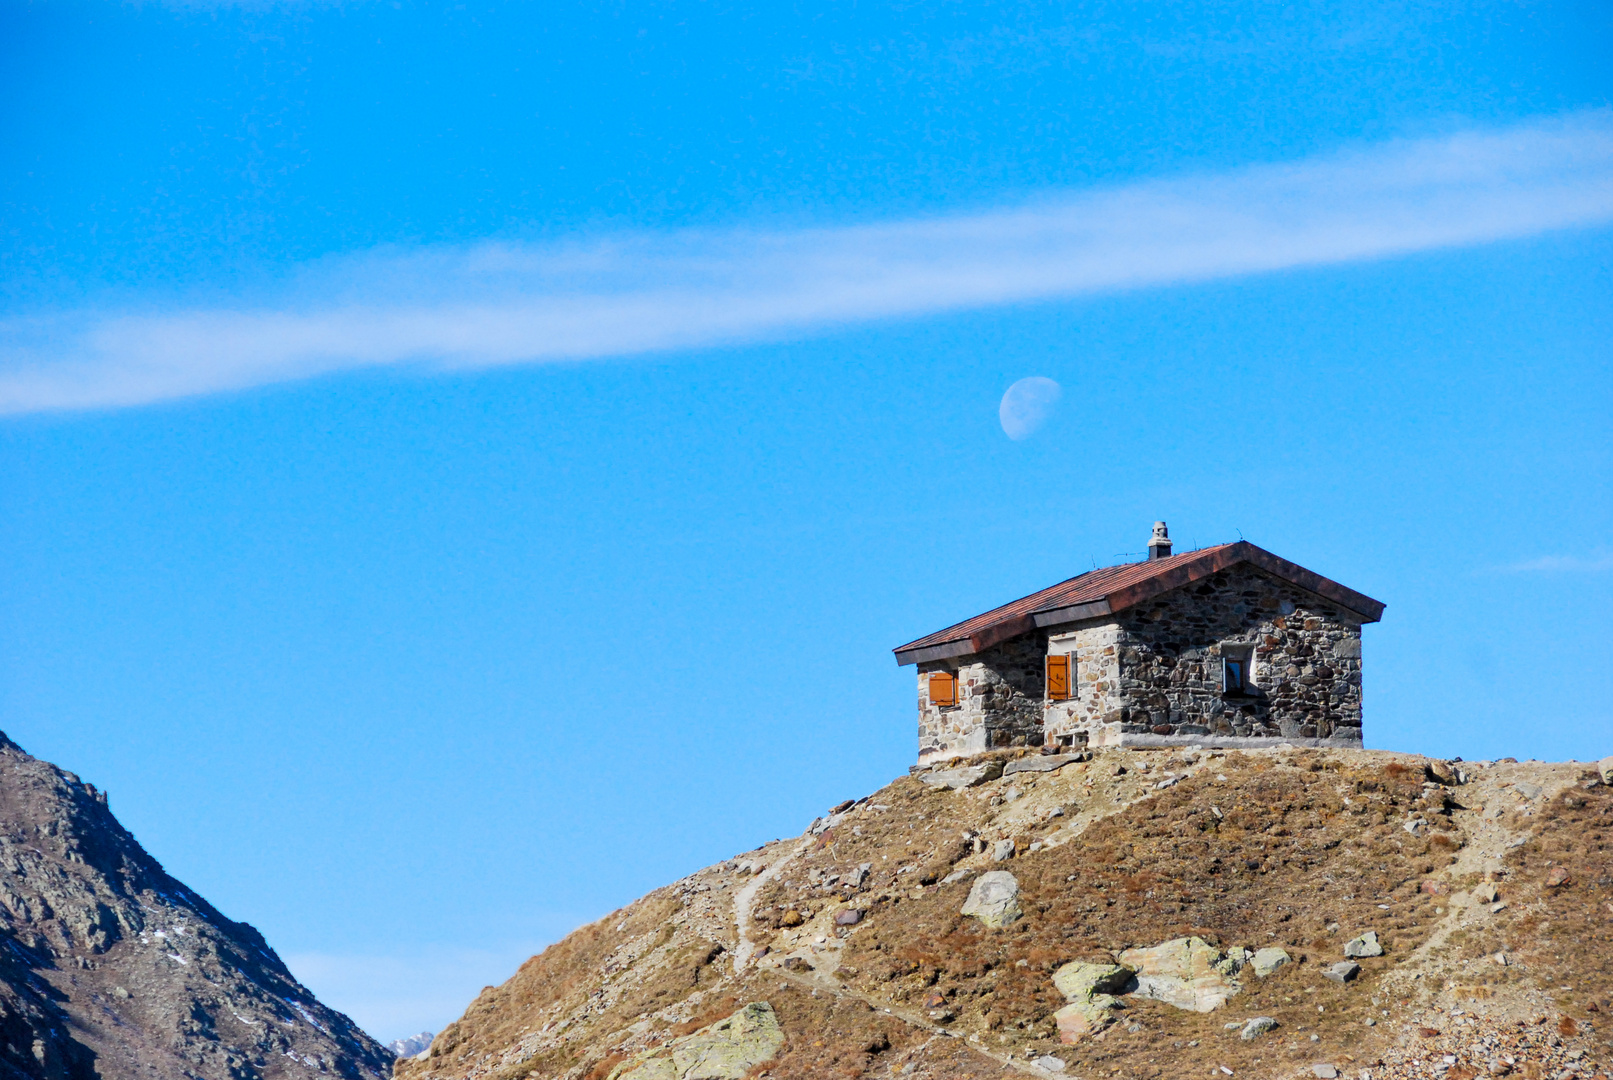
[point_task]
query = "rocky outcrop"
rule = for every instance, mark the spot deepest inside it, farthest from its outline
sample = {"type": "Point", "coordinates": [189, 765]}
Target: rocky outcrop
{"type": "Point", "coordinates": [1186, 972]}
{"type": "Point", "coordinates": [111, 968]}
{"type": "Point", "coordinates": [994, 899]}
{"type": "Point", "coordinates": [726, 1050]}
{"type": "Point", "coordinates": [1090, 990]}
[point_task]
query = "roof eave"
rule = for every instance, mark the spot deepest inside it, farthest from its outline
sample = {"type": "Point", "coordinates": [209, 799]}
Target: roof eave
{"type": "Point", "coordinates": [983, 639]}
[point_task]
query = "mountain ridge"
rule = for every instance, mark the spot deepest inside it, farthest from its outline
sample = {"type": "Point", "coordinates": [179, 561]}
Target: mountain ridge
{"type": "Point", "coordinates": [112, 968]}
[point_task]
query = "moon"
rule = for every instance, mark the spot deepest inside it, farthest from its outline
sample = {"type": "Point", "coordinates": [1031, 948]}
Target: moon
{"type": "Point", "coordinates": [1027, 405]}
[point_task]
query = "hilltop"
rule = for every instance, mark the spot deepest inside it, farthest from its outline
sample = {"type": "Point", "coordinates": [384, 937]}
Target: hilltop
{"type": "Point", "coordinates": [113, 969]}
{"type": "Point", "coordinates": [1475, 901]}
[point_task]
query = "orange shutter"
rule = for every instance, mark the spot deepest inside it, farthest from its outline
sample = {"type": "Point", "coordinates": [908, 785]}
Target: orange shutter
{"type": "Point", "coordinates": [943, 689]}
{"type": "Point", "coordinates": [1058, 678]}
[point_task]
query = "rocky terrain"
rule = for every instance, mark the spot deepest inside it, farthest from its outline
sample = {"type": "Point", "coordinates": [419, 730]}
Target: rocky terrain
{"type": "Point", "coordinates": [1138, 913]}
{"type": "Point", "coordinates": [110, 968]}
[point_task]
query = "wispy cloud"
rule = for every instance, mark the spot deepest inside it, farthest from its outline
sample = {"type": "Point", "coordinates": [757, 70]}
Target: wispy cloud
{"type": "Point", "coordinates": [1557, 564]}
{"type": "Point", "coordinates": [500, 303]}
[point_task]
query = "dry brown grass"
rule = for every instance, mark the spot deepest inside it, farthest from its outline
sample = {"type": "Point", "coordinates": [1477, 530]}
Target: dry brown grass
{"type": "Point", "coordinates": [1563, 935]}
{"type": "Point", "coordinates": [1303, 842]}
{"type": "Point", "coordinates": [1286, 860]}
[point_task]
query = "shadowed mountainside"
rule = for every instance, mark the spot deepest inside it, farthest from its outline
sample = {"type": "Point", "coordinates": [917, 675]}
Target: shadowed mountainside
{"type": "Point", "coordinates": [112, 969]}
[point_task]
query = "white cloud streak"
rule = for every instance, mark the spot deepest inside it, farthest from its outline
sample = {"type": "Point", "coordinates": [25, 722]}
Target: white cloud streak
{"type": "Point", "coordinates": [500, 303]}
{"type": "Point", "coordinates": [1600, 562]}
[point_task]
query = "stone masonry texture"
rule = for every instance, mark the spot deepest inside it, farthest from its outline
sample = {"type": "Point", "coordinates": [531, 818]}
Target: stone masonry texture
{"type": "Point", "coordinates": [1156, 670]}
{"type": "Point", "coordinates": [1000, 694]}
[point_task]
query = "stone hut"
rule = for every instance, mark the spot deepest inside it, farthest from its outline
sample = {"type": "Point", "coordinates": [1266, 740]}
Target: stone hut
{"type": "Point", "coordinates": [1225, 646]}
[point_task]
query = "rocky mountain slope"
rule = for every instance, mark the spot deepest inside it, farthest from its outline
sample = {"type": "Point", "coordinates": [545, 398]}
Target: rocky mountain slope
{"type": "Point", "coordinates": [1143, 913]}
{"type": "Point", "coordinates": [110, 968]}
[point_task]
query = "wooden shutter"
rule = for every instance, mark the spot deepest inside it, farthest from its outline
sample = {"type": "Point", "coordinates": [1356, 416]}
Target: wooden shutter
{"type": "Point", "coordinates": [1058, 678]}
{"type": "Point", "coordinates": [943, 688]}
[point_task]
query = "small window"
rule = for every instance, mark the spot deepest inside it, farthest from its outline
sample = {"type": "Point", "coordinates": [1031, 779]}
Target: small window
{"type": "Point", "coordinates": [943, 688]}
{"type": "Point", "coordinates": [1237, 678]}
{"type": "Point", "coordinates": [1059, 681]}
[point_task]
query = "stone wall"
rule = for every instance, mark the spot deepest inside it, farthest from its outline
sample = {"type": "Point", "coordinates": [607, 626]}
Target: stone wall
{"type": "Point", "coordinates": [1000, 700]}
{"type": "Point", "coordinates": [1306, 671]}
{"type": "Point", "coordinates": [1155, 671]}
{"type": "Point", "coordinates": [1095, 649]}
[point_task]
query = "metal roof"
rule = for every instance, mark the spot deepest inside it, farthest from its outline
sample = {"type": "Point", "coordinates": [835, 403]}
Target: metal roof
{"type": "Point", "coordinates": [1115, 588]}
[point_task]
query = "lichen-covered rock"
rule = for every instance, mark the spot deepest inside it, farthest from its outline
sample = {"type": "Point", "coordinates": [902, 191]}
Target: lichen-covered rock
{"type": "Point", "coordinates": [1343, 971]}
{"type": "Point", "coordinates": [1365, 945]}
{"type": "Point", "coordinates": [994, 899]}
{"type": "Point", "coordinates": [1090, 990]}
{"type": "Point", "coordinates": [1078, 981]}
{"type": "Point", "coordinates": [1236, 960]}
{"type": "Point", "coordinates": [967, 776]}
{"type": "Point", "coordinates": [1181, 972]}
{"type": "Point", "coordinates": [726, 1050]}
{"type": "Point", "coordinates": [1266, 961]}
{"type": "Point", "coordinates": [1256, 1028]}
{"type": "Point", "coordinates": [1080, 1019]}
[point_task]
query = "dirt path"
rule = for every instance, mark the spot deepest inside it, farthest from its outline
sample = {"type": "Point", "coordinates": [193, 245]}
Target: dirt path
{"type": "Point", "coordinates": [1487, 840]}
{"type": "Point", "coordinates": [907, 1016]}
{"type": "Point", "coordinates": [746, 898]}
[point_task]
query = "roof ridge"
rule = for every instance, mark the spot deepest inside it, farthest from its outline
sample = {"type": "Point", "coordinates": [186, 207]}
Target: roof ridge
{"type": "Point", "coordinates": [1091, 593]}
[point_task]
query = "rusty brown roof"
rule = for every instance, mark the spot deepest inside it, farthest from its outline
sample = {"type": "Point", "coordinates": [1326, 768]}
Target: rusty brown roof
{"type": "Point", "coordinates": [1114, 588]}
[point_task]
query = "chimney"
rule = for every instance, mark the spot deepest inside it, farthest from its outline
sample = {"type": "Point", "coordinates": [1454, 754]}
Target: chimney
{"type": "Point", "coordinates": [1159, 545]}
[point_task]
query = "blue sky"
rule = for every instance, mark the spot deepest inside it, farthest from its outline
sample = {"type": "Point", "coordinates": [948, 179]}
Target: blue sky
{"type": "Point", "coordinates": [463, 466]}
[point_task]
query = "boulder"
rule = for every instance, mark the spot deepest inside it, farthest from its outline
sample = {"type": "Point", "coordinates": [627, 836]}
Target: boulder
{"type": "Point", "coordinates": [848, 917]}
{"type": "Point", "coordinates": [1181, 972]}
{"type": "Point", "coordinates": [1529, 791]}
{"type": "Point", "coordinates": [1079, 1019]}
{"type": "Point", "coordinates": [1002, 851]}
{"type": "Point", "coordinates": [1042, 764]}
{"type": "Point", "coordinates": [1090, 990]}
{"type": "Point", "coordinates": [726, 1050]}
{"type": "Point", "coordinates": [1256, 1028]}
{"type": "Point", "coordinates": [1266, 961]}
{"type": "Point", "coordinates": [1343, 971]}
{"type": "Point", "coordinates": [1443, 772]}
{"type": "Point", "coordinates": [1079, 981]}
{"type": "Point", "coordinates": [1235, 961]}
{"type": "Point", "coordinates": [994, 899]}
{"type": "Point", "coordinates": [1365, 945]}
{"type": "Point", "coordinates": [1605, 767]}
{"type": "Point", "coordinates": [1325, 1072]}
{"type": "Point", "coordinates": [1558, 877]}
{"type": "Point", "coordinates": [966, 777]}
{"type": "Point", "coordinates": [1050, 1063]}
